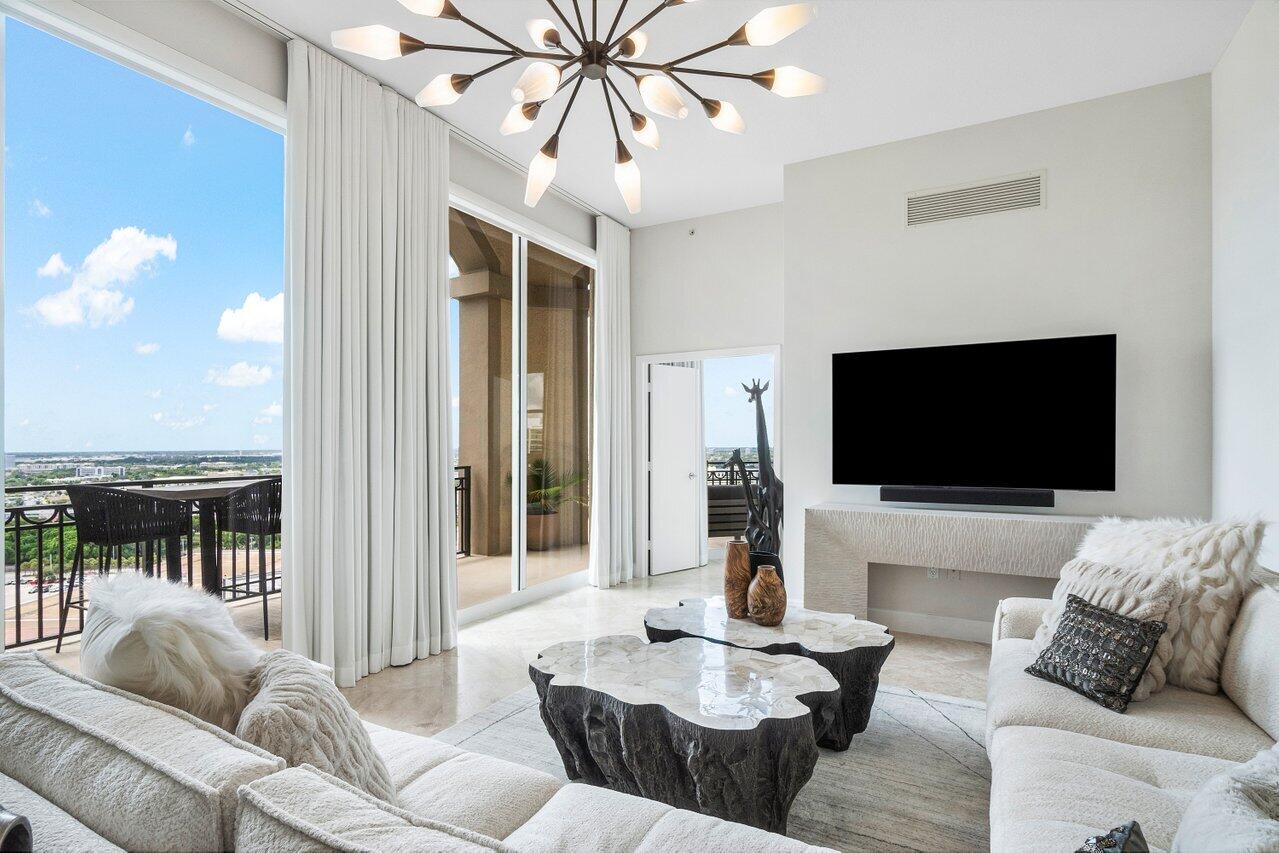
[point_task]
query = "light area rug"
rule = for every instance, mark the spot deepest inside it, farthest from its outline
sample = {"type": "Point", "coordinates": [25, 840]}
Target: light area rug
{"type": "Point", "coordinates": [916, 779]}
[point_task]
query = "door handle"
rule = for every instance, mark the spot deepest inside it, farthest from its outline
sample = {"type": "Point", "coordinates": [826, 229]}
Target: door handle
{"type": "Point", "coordinates": [691, 475]}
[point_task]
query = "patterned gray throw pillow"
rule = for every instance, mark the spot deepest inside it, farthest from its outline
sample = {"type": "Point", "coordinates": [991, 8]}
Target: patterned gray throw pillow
{"type": "Point", "coordinates": [1122, 839]}
{"type": "Point", "coordinates": [1098, 653]}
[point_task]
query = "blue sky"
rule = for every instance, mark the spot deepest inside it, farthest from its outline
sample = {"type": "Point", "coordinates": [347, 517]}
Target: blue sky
{"type": "Point", "coordinates": [139, 221]}
{"type": "Point", "coordinates": [730, 420]}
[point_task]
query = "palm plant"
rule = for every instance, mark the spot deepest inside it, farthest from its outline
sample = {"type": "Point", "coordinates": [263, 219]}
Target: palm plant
{"type": "Point", "coordinates": [548, 487]}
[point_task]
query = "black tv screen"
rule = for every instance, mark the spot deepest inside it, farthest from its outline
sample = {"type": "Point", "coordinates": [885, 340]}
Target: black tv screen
{"type": "Point", "coordinates": [1034, 414]}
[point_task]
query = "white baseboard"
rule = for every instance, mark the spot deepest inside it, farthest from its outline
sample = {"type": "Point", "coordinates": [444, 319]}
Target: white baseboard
{"type": "Point", "coordinates": [503, 603]}
{"type": "Point", "coordinates": [950, 627]}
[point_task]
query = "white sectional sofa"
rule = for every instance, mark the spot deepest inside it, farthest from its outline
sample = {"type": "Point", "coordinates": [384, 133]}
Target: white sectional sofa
{"type": "Point", "coordinates": [95, 768]}
{"type": "Point", "coordinates": [1064, 768]}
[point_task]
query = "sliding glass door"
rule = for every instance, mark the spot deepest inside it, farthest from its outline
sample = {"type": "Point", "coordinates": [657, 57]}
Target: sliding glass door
{"type": "Point", "coordinates": [520, 339]}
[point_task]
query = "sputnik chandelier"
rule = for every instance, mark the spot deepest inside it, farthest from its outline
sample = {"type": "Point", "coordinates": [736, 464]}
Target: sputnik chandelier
{"type": "Point", "coordinates": [557, 66]}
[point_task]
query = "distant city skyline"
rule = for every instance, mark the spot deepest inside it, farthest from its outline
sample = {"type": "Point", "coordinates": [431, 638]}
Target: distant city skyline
{"type": "Point", "coordinates": [144, 262]}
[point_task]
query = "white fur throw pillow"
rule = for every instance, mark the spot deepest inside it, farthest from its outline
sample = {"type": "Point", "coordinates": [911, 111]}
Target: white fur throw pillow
{"type": "Point", "coordinates": [1234, 810]}
{"type": "Point", "coordinates": [1212, 563]}
{"type": "Point", "coordinates": [1135, 593]}
{"type": "Point", "coordinates": [298, 714]}
{"type": "Point", "coordinates": [167, 642]}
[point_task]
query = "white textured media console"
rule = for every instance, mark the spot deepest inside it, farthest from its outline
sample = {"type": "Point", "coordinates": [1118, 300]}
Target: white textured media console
{"type": "Point", "coordinates": [842, 540]}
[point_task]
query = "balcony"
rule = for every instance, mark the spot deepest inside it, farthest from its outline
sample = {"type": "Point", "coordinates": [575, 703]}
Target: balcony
{"type": "Point", "coordinates": [40, 540]}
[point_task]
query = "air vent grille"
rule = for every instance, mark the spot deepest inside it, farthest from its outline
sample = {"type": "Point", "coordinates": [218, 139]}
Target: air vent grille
{"type": "Point", "coordinates": [991, 197]}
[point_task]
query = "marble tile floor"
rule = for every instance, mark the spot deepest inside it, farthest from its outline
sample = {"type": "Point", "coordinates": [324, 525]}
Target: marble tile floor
{"type": "Point", "coordinates": [492, 656]}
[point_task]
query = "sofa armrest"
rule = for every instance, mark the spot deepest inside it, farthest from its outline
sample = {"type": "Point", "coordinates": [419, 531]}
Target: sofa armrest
{"type": "Point", "coordinates": [1018, 617]}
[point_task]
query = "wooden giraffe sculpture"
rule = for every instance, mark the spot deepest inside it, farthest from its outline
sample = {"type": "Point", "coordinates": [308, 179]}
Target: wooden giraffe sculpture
{"type": "Point", "coordinates": [764, 503]}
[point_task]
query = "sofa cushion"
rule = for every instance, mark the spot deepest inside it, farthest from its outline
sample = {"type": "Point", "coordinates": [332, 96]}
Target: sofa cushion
{"type": "Point", "coordinates": [1052, 789]}
{"type": "Point", "coordinates": [440, 782]}
{"type": "Point", "coordinates": [1138, 594]}
{"type": "Point", "coordinates": [1250, 669]}
{"type": "Point", "coordinates": [52, 829]}
{"type": "Point", "coordinates": [141, 774]}
{"type": "Point", "coordinates": [1236, 810]}
{"type": "Point", "coordinates": [305, 809]}
{"type": "Point", "coordinates": [298, 714]}
{"type": "Point", "coordinates": [620, 823]}
{"type": "Point", "coordinates": [1173, 718]}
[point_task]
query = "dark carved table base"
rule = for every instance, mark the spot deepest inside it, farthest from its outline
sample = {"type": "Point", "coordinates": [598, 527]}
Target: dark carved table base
{"type": "Point", "coordinates": [749, 776]}
{"type": "Point", "coordinates": [856, 670]}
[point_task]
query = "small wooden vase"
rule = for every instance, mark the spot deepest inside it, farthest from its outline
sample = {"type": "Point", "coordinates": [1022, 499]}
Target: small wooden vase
{"type": "Point", "coordinates": [737, 579]}
{"type": "Point", "coordinates": [766, 599]}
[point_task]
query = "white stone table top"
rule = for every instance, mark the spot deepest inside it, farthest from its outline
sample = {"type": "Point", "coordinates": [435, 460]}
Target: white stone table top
{"type": "Point", "coordinates": [709, 684]}
{"type": "Point", "coordinates": [811, 629]}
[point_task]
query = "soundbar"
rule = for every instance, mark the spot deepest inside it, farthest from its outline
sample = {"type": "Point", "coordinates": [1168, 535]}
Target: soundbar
{"type": "Point", "coordinates": [965, 495]}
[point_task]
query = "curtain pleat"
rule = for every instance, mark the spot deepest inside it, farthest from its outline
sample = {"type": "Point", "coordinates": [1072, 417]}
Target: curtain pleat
{"type": "Point", "coordinates": [612, 556]}
{"type": "Point", "coordinates": [371, 570]}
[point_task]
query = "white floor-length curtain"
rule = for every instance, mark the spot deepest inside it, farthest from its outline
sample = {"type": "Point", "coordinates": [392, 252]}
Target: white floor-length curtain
{"type": "Point", "coordinates": [612, 559]}
{"type": "Point", "coordinates": [371, 573]}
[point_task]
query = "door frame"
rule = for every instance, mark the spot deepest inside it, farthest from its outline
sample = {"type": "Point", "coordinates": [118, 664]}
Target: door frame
{"type": "Point", "coordinates": [640, 428]}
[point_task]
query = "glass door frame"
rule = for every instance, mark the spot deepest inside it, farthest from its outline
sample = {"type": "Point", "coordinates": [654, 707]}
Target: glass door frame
{"type": "Point", "coordinates": [523, 231]}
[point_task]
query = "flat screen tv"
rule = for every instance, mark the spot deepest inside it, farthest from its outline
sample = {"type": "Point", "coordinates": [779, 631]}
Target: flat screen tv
{"type": "Point", "coordinates": [1037, 414]}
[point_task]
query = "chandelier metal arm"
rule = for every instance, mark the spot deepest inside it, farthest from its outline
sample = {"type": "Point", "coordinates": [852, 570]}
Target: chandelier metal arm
{"type": "Point", "coordinates": [687, 88]}
{"type": "Point", "coordinates": [622, 65]}
{"type": "Point", "coordinates": [626, 65]}
{"type": "Point", "coordinates": [581, 39]}
{"type": "Point", "coordinates": [618, 92]}
{"type": "Point", "coordinates": [496, 65]}
{"type": "Point", "coordinates": [641, 22]}
{"type": "Point", "coordinates": [481, 29]}
{"type": "Point", "coordinates": [595, 20]}
{"type": "Point", "coordinates": [581, 25]}
{"type": "Point", "coordinates": [616, 19]}
{"type": "Point", "coordinates": [569, 107]}
{"type": "Point", "coordinates": [702, 52]}
{"type": "Point", "coordinates": [608, 100]}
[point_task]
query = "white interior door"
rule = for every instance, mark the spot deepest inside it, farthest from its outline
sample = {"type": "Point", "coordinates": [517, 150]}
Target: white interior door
{"type": "Point", "coordinates": [675, 483]}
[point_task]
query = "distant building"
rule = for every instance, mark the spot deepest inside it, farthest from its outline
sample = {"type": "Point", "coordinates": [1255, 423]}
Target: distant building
{"type": "Point", "coordinates": [99, 471]}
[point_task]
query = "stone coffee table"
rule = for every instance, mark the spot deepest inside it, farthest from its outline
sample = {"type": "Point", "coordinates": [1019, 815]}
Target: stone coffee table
{"type": "Point", "coordinates": [697, 725]}
{"type": "Point", "coordinates": [851, 649]}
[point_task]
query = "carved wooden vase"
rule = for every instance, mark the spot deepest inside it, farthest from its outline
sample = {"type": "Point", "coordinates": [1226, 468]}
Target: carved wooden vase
{"type": "Point", "coordinates": [737, 579]}
{"type": "Point", "coordinates": [766, 598]}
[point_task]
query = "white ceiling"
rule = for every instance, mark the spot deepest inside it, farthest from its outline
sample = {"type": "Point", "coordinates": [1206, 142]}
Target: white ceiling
{"type": "Point", "coordinates": [895, 69]}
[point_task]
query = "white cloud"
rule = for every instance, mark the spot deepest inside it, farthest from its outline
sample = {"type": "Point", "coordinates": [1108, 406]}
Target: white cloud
{"type": "Point", "coordinates": [259, 439]}
{"type": "Point", "coordinates": [94, 295]}
{"type": "Point", "coordinates": [146, 349]}
{"type": "Point", "coordinates": [239, 375]}
{"type": "Point", "coordinates": [456, 402]}
{"type": "Point", "coordinates": [730, 391]}
{"type": "Point", "coordinates": [257, 320]}
{"type": "Point", "coordinates": [208, 407]}
{"type": "Point", "coordinates": [275, 410]}
{"type": "Point", "coordinates": [24, 423]}
{"type": "Point", "coordinates": [154, 395]}
{"type": "Point", "coordinates": [176, 423]}
{"type": "Point", "coordinates": [263, 421]}
{"type": "Point", "coordinates": [188, 138]}
{"type": "Point", "coordinates": [53, 267]}
{"type": "Point", "coordinates": [40, 209]}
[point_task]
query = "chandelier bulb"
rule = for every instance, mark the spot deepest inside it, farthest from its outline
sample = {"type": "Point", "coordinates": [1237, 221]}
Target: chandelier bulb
{"type": "Point", "coordinates": [774, 24]}
{"type": "Point", "coordinates": [644, 130]}
{"type": "Point", "coordinates": [432, 8]}
{"type": "Point", "coordinates": [661, 96]}
{"type": "Point", "coordinates": [790, 82]}
{"type": "Point", "coordinates": [724, 116]}
{"type": "Point", "coordinates": [520, 118]}
{"type": "Point", "coordinates": [634, 45]}
{"type": "Point", "coordinates": [627, 176]}
{"type": "Point", "coordinates": [375, 42]}
{"type": "Point", "coordinates": [538, 82]}
{"type": "Point", "coordinates": [541, 171]}
{"type": "Point", "coordinates": [445, 89]}
{"type": "Point", "coordinates": [543, 33]}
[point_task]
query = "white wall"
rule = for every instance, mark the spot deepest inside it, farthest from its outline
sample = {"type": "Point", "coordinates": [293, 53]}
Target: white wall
{"type": "Point", "coordinates": [1245, 269]}
{"type": "Point", "coordinates": [719, 286]}
{"type": "Point", "coordinates": [1121, 246]}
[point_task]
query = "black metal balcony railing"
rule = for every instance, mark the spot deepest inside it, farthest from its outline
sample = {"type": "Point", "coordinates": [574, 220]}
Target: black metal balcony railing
{"type": "Point", "coordinates": [719, 474]}
{"type": "Point", "coordinates": [40, 543]}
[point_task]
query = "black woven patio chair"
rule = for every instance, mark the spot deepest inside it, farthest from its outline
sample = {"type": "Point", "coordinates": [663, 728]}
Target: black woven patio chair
{"type": "Point", "coordinates": [110, 518]}
{"type": "Point", "coordinates": [254, 510]}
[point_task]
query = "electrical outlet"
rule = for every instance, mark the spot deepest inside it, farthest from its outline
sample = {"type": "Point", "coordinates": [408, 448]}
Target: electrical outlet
{"type": "Point", "coordinates": [934, 574]}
